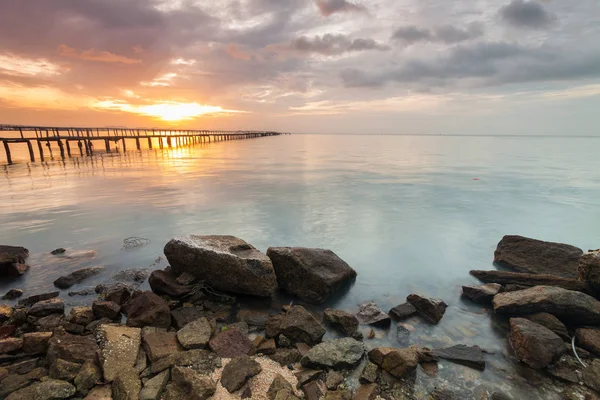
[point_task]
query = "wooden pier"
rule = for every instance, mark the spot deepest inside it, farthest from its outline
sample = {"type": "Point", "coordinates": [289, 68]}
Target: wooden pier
{"type": "Point", "coordinates": [83, 138]}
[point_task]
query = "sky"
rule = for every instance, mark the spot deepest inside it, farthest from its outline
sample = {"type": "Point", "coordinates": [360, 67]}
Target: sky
{"type": "Point", "coordinates": [312, 66]}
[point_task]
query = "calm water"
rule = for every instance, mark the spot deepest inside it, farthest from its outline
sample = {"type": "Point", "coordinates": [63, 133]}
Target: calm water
{"type": "Point", "coordinates": [408, 213]}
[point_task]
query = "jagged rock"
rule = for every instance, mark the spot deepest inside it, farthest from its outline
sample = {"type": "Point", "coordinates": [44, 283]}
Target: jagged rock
{"type": "Point", "coordinates": [367, 392]}
{"type": "Point", "coordinates": [279, 384]}
{"type": "Point", "coordinates": [51, 389]}
{"type": "Point", "coordinates": [127, 385]}
{"type": "Point", "coordinates": [550, 322]}
{"type": "Point", "coordinates": [72, 348]}
{"type": "Point", "coordinates": [46, 307]}
{"type": "Point", "coordinates": [106, 309]}
{"type": "Point", "coordinates": [119, 347]}
{"type": "Point", "coordinates": [298, 325]}
{"type": "Point", "coordinates": [118, 293]}
{"type": "Point", "coordinates": [482, 294]}
{"type": "Point", "coordinates": [196, 334]}
{"type": "Point", "coordinates": [311, 274]}
{"type": "Point", "coordinates": [369, 373]}
{"type": "Point", "coordinates": [131, 275]}
{"type": "Point", "coordinates": [13, 294]}
{"type": "Point", "coordinates": [154, 386]}
{"type": "Point", "coordinates": [402, 335]}
{"type": "Point", "coordinates": [305, 376]}
{"type": "Point", "coordinates": [337, 354]}
{"type": "Point", "coordinates": [163, 282]}
{"type": "Point", "coordinates": [568, 305]}
{"type": "Point", "coordinates": [588, 269]}
{"type": "Point", "coordinates": [64, 370]}
{"type": "Point", "coordinates": [237, 372]}
{"type": "Point", "coordinates": [12, 261]}
{"type": "Point", "coordinates": [267, 347]}
{"type": "Point", "coordinates": [342, 320]}
{"type": "Point", "coordinates": [431, 309]}
{"type": "Point", "coordinates": [253, 318]}
{"type": "Point", "coordinates": [534, 344]}
{"type": "Point", "coordinates": [147, 309]}
{"type": "Point", "coordinates": [183, 316]}
{"type": "Point", "coordinates": [334, 379]}
{"type": "Point", "coordinates": [74, 328]}
{"type": "Point", "coordinates": [193, 385]}
{"type": "Point", "coordinates": [314, 390]}
{"type": "Point", "coordinates": [589, 339]}
{"type": "Point", "coordinates": [535, 256]}
{"type": "Point", "coordinates": [36, 342]}
{"type": "Point", "coordinates": [283, 341]}
{"type": "Point", "coordinates": [518, 281]}
{"type": "Point", "coordinates": [225, 262]}
{"type": "Point", "coordinates": [471, 356]}
{"type": "Point", "coordinates": [87, 377]}
{"type": "Point", "coordinates": [285, 356]}
{"type": "Point", "coordinates": [22, 367]}
{"type": "Point", "coordinates": [591, 375]}
{"type": "Point", "coordinates": [14, 382]}
{"type": "Point", "coordinates": [160, 344]}
{"type": "Point", "coordinates": [398, 362]}
{"type": "Point", "coordinates": [273, 324]}
{"type": "Point", "coordinates": [566, 368]}
{"type": "Point", "coordinates": [81, 315]}
{"type": "Point", "coordinates": [65, 282]}
{"type": "Point", "coordinates": [201, 361]}
{"type": "Point", "coordinates": [370, 314]}
{"type": "Point", "coordinates": [11, 345]}
{"type": "Point", "coordinates": [94, 325]}
{"type": "Point", "coordinates": [403, 311]}
{"type": "Point", "coordinates": [50, 322]}
{"type": "Point", "coordinates": [31, 300]}
{"type": "Point", "coordinates": [231, 343]}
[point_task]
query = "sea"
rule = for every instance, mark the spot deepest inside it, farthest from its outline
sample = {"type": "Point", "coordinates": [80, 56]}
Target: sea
{"type": "Point", "coordinates": [411, 214]}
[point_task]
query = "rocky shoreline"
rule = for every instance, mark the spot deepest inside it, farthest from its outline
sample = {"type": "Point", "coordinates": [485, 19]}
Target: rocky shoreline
{"type": "Point", "coordinates": [191, 337]}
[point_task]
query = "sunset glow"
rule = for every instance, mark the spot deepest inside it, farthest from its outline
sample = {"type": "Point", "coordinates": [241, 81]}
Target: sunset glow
{"type": "Point", "coordinates": [166, 111]}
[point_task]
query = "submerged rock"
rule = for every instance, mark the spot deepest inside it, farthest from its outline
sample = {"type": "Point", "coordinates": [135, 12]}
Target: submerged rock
{"type": "Point", "coordinates": [131, 275]}
{"type": "Point", "coordinates": [13, 294]}
{"type": "Point", "coordinates": [482, 294]}
{"type": "Point", "coordinates": [538, 257]}
{"type": "Point", "coordinates": [337, 354]}
{"type": "Point", "coordinates": [12, 261]}
{"type": "Point", "coordinates": [370, 314]}
{"type": "Point", "coordinates": [311, 274]}
{"type": "Point", "coordinates": [431, 309]}
{"type": "Point", "coordinates": [225, 262]}
{"type": "Point", "coordinates": [342, 320]}
{"type": "Point", "coordinates": [534, 344]}
{"type": "Point", "coordinates": [471, 356]}
{"type": "Point", "coordinates": [237, 372]}
{"type": "Point", "coordinates": [65, 282]}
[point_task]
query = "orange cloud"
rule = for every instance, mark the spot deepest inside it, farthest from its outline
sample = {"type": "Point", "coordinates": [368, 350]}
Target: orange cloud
{"type": "Point", "coordinates": [234, 51]}
{"type": "Point", "coordinates": [95, 55]}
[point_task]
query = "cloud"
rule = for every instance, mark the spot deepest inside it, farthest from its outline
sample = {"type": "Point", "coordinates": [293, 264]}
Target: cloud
{"type": "Point", "coordinates": [334, 44]}
{"type": "Point", "coordinates": [444, 34]}
{"type": "Point", "coordinates": [328, 7]}
{"type": "Point", "coordinates": [526, 14]}
{"type": "Point", "coordinates": [95, 55]}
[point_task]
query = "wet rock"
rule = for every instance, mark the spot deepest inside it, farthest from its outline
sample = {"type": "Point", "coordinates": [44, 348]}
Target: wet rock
{"type": "Point", "coordinates": [237, 372]}
{"type": "Point", "coordinates": [87, 377]}
{"type": "Point", "coordinates": [47, 307]}
{"type": "Point", "coordinates": [550, 322]}
{"type": "Point", "coordinates": [568, 305]}
{"type": "Point", "coordinates": [431, 309]}
{"type": "Point", "coordinates": [13, 294]}
{"type": "Point", "coordinates": [230, 343]}
{"type": "Point", "coordinates": [201, 361]}
{"type": "Point", "coordinates": [535, 256]}
{"type": "Point", "coordinates": [131, 275]}
{"type": "Point", "coordinates": [518, 281]}
{"type": "Point", "coordinates": [118, 294]}
{"type": "Point", "coordinates": [345, 322]}
{"type": "Point", "coordinates": [589, 339]}
{"type": "Point", "coordinates": [267, 347]}
{"type": "Point", "coordinates": [367, 392]}
{"type": "Point", "coordinates": [196, 334]}
{"type": "Point", "coordinates": [154, 386]}
{"type": "Point", "coordinates": [398, 362]}
{"type": "Point", "coordinates": [334, 379]}
{"type": "Point", "coordinates": [195, 386]}
{"type": "Point", "coordinates": [482, 294]}
{"type": "Point", "coordinates": [403, 311]}
{"type": "Point", "coordinates": [6, 312]}
{"type": "Point", "coordinates": [225, 262]}
{"type": "Point", "coordinates": [58, 251]}
{"type": "Point", "coordinates": [369, 373]}
{"type": "Point", "coordinates": [402, 335]}
{"type": "Point", "coordinates": [12, 261]}
{"type": "Point", "coordinates": [337, 354]}
{"type": "Point", "coordinates": [370, 314]}
{"type": "Point", "coordinates": [314, 390]}
{"type": "Point", "coordinates": [311, 274]}
{"type": "Point", "coordinates": [81, 315]}
{"type": "Point", "coordinates": [119, 347]}
{"type": "Point", "coordinates": [106, 309]}
{"type": "Point", "coordinates": [163, 282]}
{"type": "Point", "coordinates": [279, 384]}
{"type": "Point", "coordinates": [534, 344]}
{"type": "Point", "coordinates": [127, 385]}
{"type": "Point", "coordinates": [588, 268]}
{"type": "Point", "coordinates": [147, 309]}
{"type": "Point", "coordinates": [285, 356]}
{"type": "Point", "coordinates": [65, 282]}
{"type": "Point", "coordinates": [253, 318]}
{"type": "Point", "coordinates": [64, 370]}
{"type": "Point", "coordinates": [513, 288]}
{"type": "Point", "coordinates": [11, 345]}
{"type": "Point", "coordinates": [160, 344]}
{"type": "Point", "coordinates": [471, 356]}
{"type": "Point", "coordinates": [51, 389]}
{"type": "Point", "coordinates": [36, 342]}
{"type": "Point", "coordinates": [31, 300]}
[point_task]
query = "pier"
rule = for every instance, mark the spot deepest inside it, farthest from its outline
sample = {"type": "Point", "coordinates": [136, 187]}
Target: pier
{"type": "Point", "coordinates": [80, 141]}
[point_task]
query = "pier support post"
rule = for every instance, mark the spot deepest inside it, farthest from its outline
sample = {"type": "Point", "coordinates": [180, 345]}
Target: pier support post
{"type": "Point", "coordinates": [81, 148]}
{"type": "Point", "coordinates": [160, 143]}
{"type": "Point", "coordinates": [107, 145]}
{"type": "Point", "coordinates": [150, 143]}
{"type": "Point", "coordinates": [124, 146]}
{"type": "Point", "coordinates": [7, 149]}
{"type": "Point", "coordinates": [68, 148]}
{"type": "Point", "coordinates": [30, 147]}
{"type": "Point", "coordinates": [62, 149]}
{"type": "Point", "coordinates": [41, 149]}
{"type": "Point", "coordinates": [137, 143]}
{"type": "Point", "coordinates": [169, 142]}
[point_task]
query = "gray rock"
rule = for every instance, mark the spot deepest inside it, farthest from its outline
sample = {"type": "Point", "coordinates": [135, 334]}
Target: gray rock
{"type": "Point", "coordinates": [345, 322]}
{"type": "Point", "coordinates": [337, 354]}
{"type": "Point", "coordinates": [589, 339]}
{"type": "Point", "coordinates": [12, 261]}
{"type": "Point", "coordinates": [591, 375]}
{"type": "Point", "coordinates": [64, 370]}
{"type": "Point", "coordinates": [519, 280]}
{"type": "Point", "coordinates": [47, 307]}
{"type": "Point", "coordinates": [237, 372]}
{"type": "Point", "coordinates": [369, 373]}
{"type": "Point", "coordinates": [311, 274]}
{"type": "Point", "coordinates": [65, 282]}
{"type": "Point", "coordinates": [300, 326]}
{"type": "Point", "coordinates": [131, 275]}
{"type": "Point", "coordinates": [471, 356]}
{"type": "Point", "coordinates": [49, 323]}
{"type": "Point", "coordinates": [431, 309]}
{"type": "Point", "coordinates": [196, 334]}
{"type": "Point", "coordinates": [87, 377]}
{"type": "Point", "coordinates": [534, 344]}
{"type": "Point", "coordinates": [334, 379]}
{"type": "Point", "coordinates": [253, 318]}
{"type": "Point", "coordinates": [403, 311]}
{"type": "Point", "coordinates": [153, 387]}
{"type": "Point", "coordinates": [224, 262]}
{"type": "Point", "coordinates": [119, 347]}
{"type": "Point", "coordinates": [201, 361]}
{"type": "Point", "coordinates": [285, 356]}
{"type": "Point", "coordinates": [482, 294]}
{"type": "Point", "coordinates": [370, 314]}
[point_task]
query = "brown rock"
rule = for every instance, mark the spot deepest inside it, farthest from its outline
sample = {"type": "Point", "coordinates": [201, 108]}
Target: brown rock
{"type": "Point", "coordinates": [50, 322]}
{"type": "Point", "coordinates": [345, 322]}
{"type": "Point", "coordinates": [64, 370]}
{"type": "Point", "coordinates": [65, 282]}
{"type": "Point", "coordinates": [31, 300]}
{"type": "Point", "coordinates": [334, 379]}
{"type": "Point", "coordinates": [518, 281]}
{"type": "Point", "coordinates": [106, 309]}
{"type": "Point", "coordinates": [482, 294]}
{"type": "Point", "coordinates": [81, 315]}
{"type": "Point", "coordinates": [12, 261]}
{"type": "Point", "coordinates": [550, 322]}
{"type": "Point", "coordinates": [196, 334]}
{"type": "Point", "coordinates": [50, 389]}
{"type": "Point", "coordinates": [47, 307]}
{"type": "Point", "coordinates": [6, 312]}
{"type": "Point", "coordinates": [193, 385]}
{"type": "Point", "coordinates": [36, 342]}
{"type": "Point", "coordinates": [127, 385]}
{"type": "Point", "coordinates": [7, 331]}
{"type": "Point", "coordinates": [267, 347]}
{"type": "Point", "coordinates": [237, 372]}
{"type": "Point", "coordinates": [231, 343]}
{"type": "Point", "coordinates": [299, 325]}
{"type": "Point", "coordinates": [147, 309]}
{"type": "Point", "coordinates": [11, 345]}
{"type": "Point", "coordinates": [185, 315]}
{"type": "Point", "coordinates": [153, 387]}
{"type": "Point", "coordinates": [403, 311]}
{"type": "Point", "coordinates": [431, 309]}
{"type": "Point", "coordinates": [314, 390]}
{"type": "Point", "coordinates": [202, 361]}
{"type": "Point", "coordinates": [163, 282]}
{"type": "Point", "coordinates": [285, 356]}
{"type": "Point", "coordinates": [13, 294]}
{"type": "Point", "coordinates": [160, 344]}
{"type": "Point", "coordinates": [588, 269]}
{"type": "Point", "coordinates": [119, 349]}
{"type": "Point", "coordinates": [89, 374]}
{"type": "Point", "coordinates": [73, 348]}
{"type": "Point", "coordinates": [398, 362]}
{"type": "Point", "coordinates": [534, 344]}
{"type": "Point", "coordinates": [253, 318]}
{"type": "Point", "coordinates": [471, 356]}
{"type": "Point", "coordinates": [589, 339]}
{"type": "Point", "coordinates": [279, 384]}
{"type": "Point", "coordinates": [367, 392]}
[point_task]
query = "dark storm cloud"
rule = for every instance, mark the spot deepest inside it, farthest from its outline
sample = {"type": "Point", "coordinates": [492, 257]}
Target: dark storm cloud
{"type": "Point", "coordinates": [444, 34]}
{"type": "Point", "coordinates": [526, 14]}
{"type": "Point", "coordinates": [331, 44]}
{"type": "Point", "coordinates": [328, 7]}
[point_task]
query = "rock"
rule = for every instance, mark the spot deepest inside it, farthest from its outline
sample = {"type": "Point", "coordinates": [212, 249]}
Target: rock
{"type": "Point", "coordinates": [283, 341]}
{"type": "Point", "coordinates": [127, 385]}
{"type": "Point", "coordinates": [299, 325]}
{"type": "Point", "coordinates": [81, 315]}
{"type": "Point", "coordinates": [369, 373]}
{"type": "Point", "coordinates": [74, 328]}
{"type": "Point", "coordinates": [225, 262]}
{"type": "Point", "coordinates": [230, 343]}
{"type": "Point", "coordinates": [6, 312]}
{"type": "Point", "coordinates": [160, 344]}
{"type": "Point", "coordinates": [47, 307]}
{"type": "Point", "coordinates": [534, 344]}
{"type": "Point", "coordinates": [345, 322]}
{"type": "Point", "coordinates": [240, 326]}
{"type": "Point", "coordinates": [305, 376]}
{"type": "Point", "coordinates": [285, 356]}
{"type": "Point", "coordinates": [11, 345]}
{"type": "Point", "coordinates": [131, 275]}
{"type": "Point", "coordinates": [334, 379]}
{"type": "Point", "coordinates": [87, 377]}
{"type": "Point", "coordinates": [518, 281]}
{"type": "Point", "coordinates": [279, 384]}
{"type": "Point", "coordinates": [50, 322]}
{"type": "Point", "coordinates": [73, 348]}
{"type": "Point", "coordinates": [119, 347]}
{"type": "Point", "coordinates": [7, 331]}
{"type": "Point", "coordinates": [12, 261]}
{"type": "Point", "coordinates": [589, 339]}
{"type": "Point", "coordinates": [186, 279]}
{"type": "Point", "coordinates": [31, 300]}
{"type": "Point", "coordinates": [272, 328]}
{"type": "Point", "coordinates": [197, 387]}
{"type": "Point", "coordinates": [566, 368]}
{"type": "Point", "coordinates": [65, 282]}
{"type": "Point", "coordinates": [118, 293]}
{"type": "Point", "coordinates": [196, 334]}
{"type": "Point", "coordinates": [154, 386]}
{"type": "Point", "coordinates": [83, 292]}
{"type": "Point", "coordinates": [550, 322]}
{"type": "Point", "coordinates": [36, 342]}
{"type": "Point", "coordinates": [147, 309]}
{"type": "Point", "coordinates": [162, 282]}
{"type": "Point", "coordinates": [403, 311]}
{"type": "Point", "coordinates": [537, 257]}
{"type": "Point", "coordinates": [185, 315]}
{"type": "Point", "coordinates": [471, 356]}
{"type": "Point", "coordinates": [13, 294]}
{"type": "Point", "coordinates": [398, 362]}
{"type": "Point", "coordinates": [14, 382]}
{"type": "Point", "coordinates": [337, 354]}
{"type": "Point", "coordinates": [370, 314]}
{"type": "Point", "coordinates": [237, 372]}
{"type": "Point", "coordinates": [591, 375]}
{"type": "Point", "coordinates": [402, 335]}
{"type": "Point", "coordinates": [367, 392]}
{"type": "Point", "coordinates": [253, 318]}
{"type": "Point", "coordinates": [106, 309]}
{"type": "Point", "coordinates": [482, 294]}
{"type": "Point", "coordinates": [58, 251]}
{"type": "Point", "coordinates": [50, 389]}
{"type": "Point", "coordinates": [94, 325]}
{"type": "Point", "coordinates": [575, 307]}
{"type": "Point", "coordinates": [588, 269]}
{"type": "Point", "coordinates": [431, 309]}
{"type": "Point", "coordinates": [21, 367]}
{"type": "Point", "coordinates": [201, 361]}
{"type": "Point", "coordinates": [311, 274]}
{"type": "Point", "coordinates": [267, 347]}
{"type": "Point", "coordinates": [314, 390]}
{"type": "Point", "coordinates": [141, 362]}
{"type": "Point", "coordinates": [64, 370]}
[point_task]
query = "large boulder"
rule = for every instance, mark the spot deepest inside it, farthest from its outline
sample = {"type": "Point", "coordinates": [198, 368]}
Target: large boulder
{"type": "Point", "coordinates": [568, 305]}
{"type": "Point", "coordinates": [311, 274]}
{"type": "Point", "coordinates": [534, 344]}
{"type": "Point", "coordinates": [298, 325]}
{"type": "Point", "coordinates": [337, 354]}
{"type": "Point", "coordinates": [398, 362]}
{"type": "Point", "coordinates": [147, 309]}
{"type": "Point", "coordinates": [12, 261]}
{"type": "Point", "coordinates": [538, 257]}
{"type": "Point", "coordinates": [226, 263]}
{"type": "Point", "coordinates": [237, 372]}
{"type": "Point", "coordinates": [431, 309]}
{"type": "Point", "coordinates": [65, 282]}
{"type": "Point", "coordinates": [588, 268]}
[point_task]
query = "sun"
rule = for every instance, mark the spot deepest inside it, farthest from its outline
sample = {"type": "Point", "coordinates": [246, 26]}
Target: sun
{"type": "Point", "coordinates": [177, 111]}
